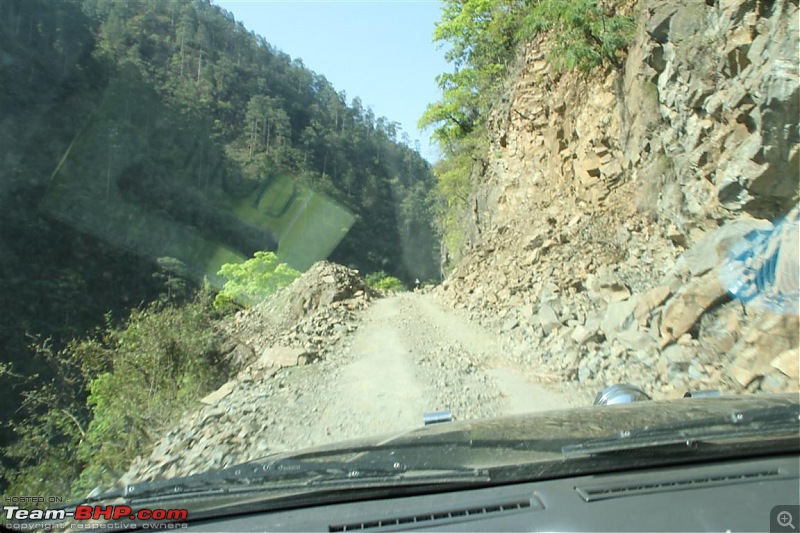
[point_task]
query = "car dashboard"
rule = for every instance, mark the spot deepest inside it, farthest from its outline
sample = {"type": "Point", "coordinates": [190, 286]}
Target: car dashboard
{"type": "Point", "coordinates": [733, 495]}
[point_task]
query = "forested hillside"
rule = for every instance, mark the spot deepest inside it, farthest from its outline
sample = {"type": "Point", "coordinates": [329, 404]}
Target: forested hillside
{"type": "Point", "coordinates": [145, 144]}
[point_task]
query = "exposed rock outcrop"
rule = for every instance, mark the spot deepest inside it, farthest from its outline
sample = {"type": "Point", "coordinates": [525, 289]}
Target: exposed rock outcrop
{"type": "Point", "coordinates": [609, 204]}
{"type": "Point", "coordinates": [723, 78]}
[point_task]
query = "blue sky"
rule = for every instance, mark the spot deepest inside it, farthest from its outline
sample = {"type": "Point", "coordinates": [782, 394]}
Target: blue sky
{"type": "Point", "coordinates": [380, 51]}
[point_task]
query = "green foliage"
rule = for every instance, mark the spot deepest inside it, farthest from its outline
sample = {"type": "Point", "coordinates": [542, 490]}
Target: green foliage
{"type": "Point", "coordinates": [480, 34]}
{"type": "Point", "coordinates": [251, 281]}
{"type": "Point", "coordinates": [174, 276]}
{"type": "Point", "coordinates": [455, 185]}
{"type": "Point", "coordinates": [585, 35]}
{"type": "Point", "coordinates": [483, 37]}
{"type": "Point", "coordinates": [165, 358]}
{"type": "Point", "coordinates": [459, 109]}
{"type": "Point", "coordinates": [138, 377]}
{"type": "Point", "coordinates": [55, 418]}
{"type": "Point", "coordinates": [383, 282]}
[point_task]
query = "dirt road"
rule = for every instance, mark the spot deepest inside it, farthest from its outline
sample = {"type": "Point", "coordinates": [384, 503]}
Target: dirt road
{"type": "Point", "coordinates": [408, 356]}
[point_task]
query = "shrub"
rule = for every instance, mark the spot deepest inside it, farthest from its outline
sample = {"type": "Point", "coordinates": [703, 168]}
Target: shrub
{"type": "Point", "coordinates": [111, 397]}
{"type": "Point", "coordinates": [251, 281]}
{"type": "Point", "coordinates": [585, 33]}
{"type": "Point", "coordinates": [163, 360]}
{"type": "Point", "coordinates": [381, 281]}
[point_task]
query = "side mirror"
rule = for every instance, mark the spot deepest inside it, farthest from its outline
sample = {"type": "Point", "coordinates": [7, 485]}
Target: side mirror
{"type": "Point", "coordinates": [619, 394]}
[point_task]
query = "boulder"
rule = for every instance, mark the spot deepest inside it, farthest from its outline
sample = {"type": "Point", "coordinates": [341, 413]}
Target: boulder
{"type": "Point", "coordinates": [284, 356]}
{"type": "Point", "coordinates": [606, 288]}
{"type": "Point", "coordinates": [582, 334]}
{"type": "Point", "coordinates": [712, 250]}
{"type": "Point", "coordinates": [686, 307]}
{"type": "Point", "coordinates": [220, 393]}
{"type": "Point", "coordinates": [619, 317]}
{"type": "Point", "coordinates": [788, 363]}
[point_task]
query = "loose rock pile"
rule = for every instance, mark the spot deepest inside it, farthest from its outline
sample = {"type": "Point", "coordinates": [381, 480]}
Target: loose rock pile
{"type": "Point", "coordinates": [647, 319]}
{"type": "Point", "coordinates": [606, 206]}
{"type": "Point", "coordinates": [243, 419]}
{"type": "Point", "coordinates": [305, 318]}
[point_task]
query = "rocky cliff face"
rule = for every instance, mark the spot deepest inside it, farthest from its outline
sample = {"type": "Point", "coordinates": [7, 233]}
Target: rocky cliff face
{"type": "Point", "coordinates": [609, 204]}
{"type": "Point", "coordinates": [723, 80]}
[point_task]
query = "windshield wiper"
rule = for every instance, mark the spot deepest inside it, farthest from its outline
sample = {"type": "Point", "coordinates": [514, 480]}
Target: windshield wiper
{"type": "Point", "coordinates": [291, 474]}
{"type": "Point", "coordinates": [766, 423]}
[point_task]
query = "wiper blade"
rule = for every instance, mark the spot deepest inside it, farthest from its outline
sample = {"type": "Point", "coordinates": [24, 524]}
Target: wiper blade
{"type": "Point", "coordinates": [763, 422]}
{"type": "Point", "coordinates": [293, 474]}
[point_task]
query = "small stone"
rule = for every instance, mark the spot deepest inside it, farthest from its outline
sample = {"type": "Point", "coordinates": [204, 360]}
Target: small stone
{"type": "Point", "coordinates": [695, 373]}
{"type": "Point", "coordinates": [635, 339]}
{"type": "Point", "coordinates": [581, 334]}
{"type": "Point", "coordinates": [607, 289]}
{"type": "Point", "coordinates": [685, 340]}
{"type": "Point", "coordinates": [220, 393]}
{"type": "Point", "coordinates": [676, 354]}
{"type": "Point", "coordinates": [619, 317]}
{"type": "Point", "coordinates": [548, 319]}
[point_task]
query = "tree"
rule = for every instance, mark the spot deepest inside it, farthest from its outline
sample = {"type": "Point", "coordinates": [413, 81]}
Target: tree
{"type": "Point", "coordinates": [251, 281]}
{"type": "Point", "coordinates": [459, 110]}
{"type": "Point", "coordinates": [171, 113]}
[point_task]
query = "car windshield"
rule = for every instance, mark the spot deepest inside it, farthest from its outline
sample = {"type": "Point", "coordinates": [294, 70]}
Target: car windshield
{"type": "Point", "coordinates": [233, 229]}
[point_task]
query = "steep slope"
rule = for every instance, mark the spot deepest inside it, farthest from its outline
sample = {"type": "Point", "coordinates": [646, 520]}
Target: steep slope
{"type": "Point", "coordinates": [609, 203]}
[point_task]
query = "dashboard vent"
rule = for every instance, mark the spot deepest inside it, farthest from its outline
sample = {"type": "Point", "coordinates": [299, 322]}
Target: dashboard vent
{"type": "Point", "coordinates": [428, 518]}
{"type": "Point", "coordinates": [622, 489]}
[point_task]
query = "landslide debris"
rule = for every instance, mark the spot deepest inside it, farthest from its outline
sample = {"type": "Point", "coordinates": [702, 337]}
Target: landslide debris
{"type": "Point", "coordinates": [306, 318]}
{"type": "Point", "coordinates": [298, 325]}
{"type": "Point", "coordinates": [608, 205]}
{"type": "Point", "coordinates": [654, 318]}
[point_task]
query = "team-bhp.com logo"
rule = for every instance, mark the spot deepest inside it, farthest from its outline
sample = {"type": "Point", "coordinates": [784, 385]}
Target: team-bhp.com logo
{"type": "Point", "coordinates": [18, 518]}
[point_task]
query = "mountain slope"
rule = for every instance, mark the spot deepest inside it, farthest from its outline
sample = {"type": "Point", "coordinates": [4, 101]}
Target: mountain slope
{"type": "Point", "coordinates": [609, 202]}
{"type": "Point", "coordinates": [145, 144]}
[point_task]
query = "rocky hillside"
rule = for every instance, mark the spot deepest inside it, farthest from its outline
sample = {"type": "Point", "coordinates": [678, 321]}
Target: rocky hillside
{"type": "Point", "coordinates": [608, 205]}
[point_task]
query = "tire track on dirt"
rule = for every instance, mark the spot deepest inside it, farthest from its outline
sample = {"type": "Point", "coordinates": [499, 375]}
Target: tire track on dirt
{"type": "Point", "coordinates": [410, 356]}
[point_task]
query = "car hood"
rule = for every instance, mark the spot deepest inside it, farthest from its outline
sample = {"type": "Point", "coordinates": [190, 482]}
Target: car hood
{"type": "Point", "coordinates": [535, 446]}
{"type": "Point", "coordinates": [502, 441]}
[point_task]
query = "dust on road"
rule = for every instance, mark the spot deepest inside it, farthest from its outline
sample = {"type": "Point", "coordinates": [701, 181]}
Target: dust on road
{"type": "Point", "coordinates": [410, 356]}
